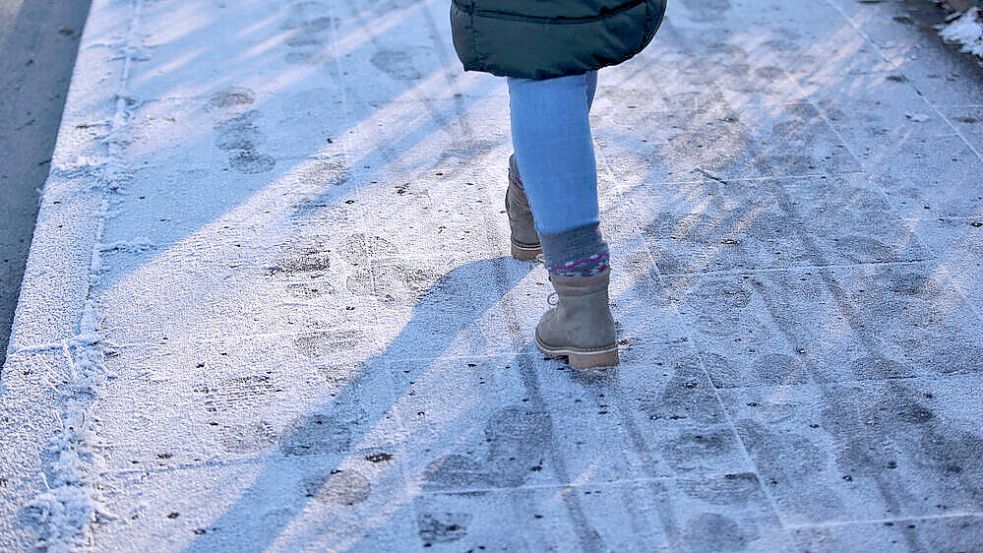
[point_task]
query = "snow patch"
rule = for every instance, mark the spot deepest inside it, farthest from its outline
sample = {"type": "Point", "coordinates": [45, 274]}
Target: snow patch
{"type": "Point", "coordinates": [71, 503]}
{"type": "Point", "coordinates": [965, 29]}
{"type": "Point", "coordinates": [137, 245]}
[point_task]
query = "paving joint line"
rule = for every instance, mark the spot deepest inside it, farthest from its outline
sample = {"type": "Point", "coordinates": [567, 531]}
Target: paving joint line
{"type": "Point", "coordinates": [884, 521]}
{"type": "Point", "coordinates": [620, 482]}
{"type": "Point", "coordinates": [734, 180]}
{"type": "Point", "coordinates": [801, 268]}
{"type": "Point", "coordinates": [862, 381]}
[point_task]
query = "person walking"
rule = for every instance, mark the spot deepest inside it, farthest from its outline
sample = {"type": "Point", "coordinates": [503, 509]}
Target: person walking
{"type": "Point", "coordinates": [550, 52]}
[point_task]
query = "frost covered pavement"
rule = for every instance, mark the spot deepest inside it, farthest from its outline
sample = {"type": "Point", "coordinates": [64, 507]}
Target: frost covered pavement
{"type": "Point", "coordinates": [269, 304]}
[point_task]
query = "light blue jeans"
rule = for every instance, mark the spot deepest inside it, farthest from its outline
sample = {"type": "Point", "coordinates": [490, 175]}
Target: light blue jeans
{"type": "Point", "coordinates": [554, 150]}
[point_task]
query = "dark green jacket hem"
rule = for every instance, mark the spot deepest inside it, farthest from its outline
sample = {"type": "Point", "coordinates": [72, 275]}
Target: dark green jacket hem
{"type": "Point", "coordinates": [538, 40]}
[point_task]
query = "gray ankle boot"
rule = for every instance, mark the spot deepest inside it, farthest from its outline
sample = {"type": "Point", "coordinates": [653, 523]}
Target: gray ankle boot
{"type": "Point", "coordinates": [525, 240]}
{"type": "Point", "coordinates": [580, 327]}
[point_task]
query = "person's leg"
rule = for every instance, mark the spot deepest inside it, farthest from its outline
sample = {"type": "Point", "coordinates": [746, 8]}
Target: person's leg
{"type": "Point", "coordinates": [591, 88]}
{"type": "Point", "coordinates": [554, 153]}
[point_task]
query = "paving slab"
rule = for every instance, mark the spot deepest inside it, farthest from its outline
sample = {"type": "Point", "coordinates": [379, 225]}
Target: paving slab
{"type": "Point", "coordinates": [270, 304]}
{"type": "Point", "coordinates": [875, 451]}
{"type": "Point", "coordinates": [943, 534]}
{"type": "Point", "coordinates": [33, 408]}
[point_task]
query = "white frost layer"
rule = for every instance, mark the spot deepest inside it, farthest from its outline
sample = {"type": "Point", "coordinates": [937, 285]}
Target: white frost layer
{"type": "Point", "coordinates": [72, 502]}
{"type": "Point", "coordinates": [966, 29]}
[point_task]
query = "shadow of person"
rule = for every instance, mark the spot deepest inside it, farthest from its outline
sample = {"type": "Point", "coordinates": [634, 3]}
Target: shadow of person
{"type": "Point", "coordinates": [312, 450]}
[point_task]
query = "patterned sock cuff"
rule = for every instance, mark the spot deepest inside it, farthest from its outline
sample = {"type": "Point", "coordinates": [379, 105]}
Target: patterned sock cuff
{"type": "Point", "coordinates": [577, 252]}
{"type": "Point", "coordinates": [587, 267]}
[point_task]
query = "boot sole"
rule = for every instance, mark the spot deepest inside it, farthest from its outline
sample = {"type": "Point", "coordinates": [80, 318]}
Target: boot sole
{"type": "Point", "coordinates": [580, 359]}
{"type": "Point", "coordinates": [524, 252]}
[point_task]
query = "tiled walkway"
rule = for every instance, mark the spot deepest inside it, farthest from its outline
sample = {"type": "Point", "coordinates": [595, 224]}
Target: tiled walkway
{"type": "Point", "coordinates": [269, 304]}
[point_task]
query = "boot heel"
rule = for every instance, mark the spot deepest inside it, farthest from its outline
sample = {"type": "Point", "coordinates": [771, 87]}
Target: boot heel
{"type": "Point", "coordinates": [592, 360]}
{"type": "Point", "coordinates": [526, 253]}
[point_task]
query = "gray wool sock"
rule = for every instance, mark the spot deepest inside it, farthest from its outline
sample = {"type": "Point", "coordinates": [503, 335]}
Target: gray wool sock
{"type": "Point", "coordinates": [576, 252]}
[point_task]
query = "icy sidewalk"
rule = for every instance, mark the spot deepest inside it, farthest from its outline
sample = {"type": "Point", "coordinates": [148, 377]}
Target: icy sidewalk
{"type": "Point", "coordinates": [269, 304]}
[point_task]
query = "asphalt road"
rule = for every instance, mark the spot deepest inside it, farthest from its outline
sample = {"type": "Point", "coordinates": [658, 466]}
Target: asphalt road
{"type": "Point", "coordinates": [38, 42]}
